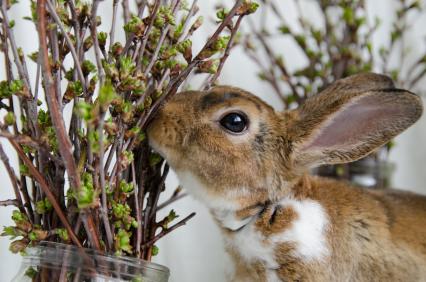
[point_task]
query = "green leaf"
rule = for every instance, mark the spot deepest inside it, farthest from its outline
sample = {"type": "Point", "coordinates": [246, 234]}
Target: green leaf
{"type": "Point", "coordinates": [31, 272]}
{"type": "Point", "coordinates": [221, 14]}
{"type": "Point", "coordinates": [18, 246]}
{"type": "Point", "coordinates": [5, 90]}
{"type": "Point", "coordinates": [9, 118]}
{"type": "Point", "coordinates": [154, 159]}
{"type": "Point", "coordinates": [43, 119]}
{"type": "Point", "coordinates": [88, 67]}
{"type": "Point", "coordinates": [135, 26]}
{"type": "Point", "coordinates": [102, 37]}
{"type": "Point", "coordinates": [106, 94]}
{"type": "Point", "coordinates": [122, 241]}
{"type": "Point", "coordinates": [86, 195]}
{"type": "Point", "coordinates": [63, 234]}
{"type": "Point", "coordinates": [127, 66]}
{"type": "Point", "coordinates": [172, 216]}
{"type": "Point", "coordinates": [120, 210]}
{"type": "Point", "coordinates": [84, 110]}
{"type": "Point", "coordinates": [18, 216]}
{"type": "Point", "coordinates": [32, 236]}
{"type": "Point", "coordinates": [126, 187]}
{"type": "Point", "coordinates": [43, 206]}
{"type": "Point", "coordinates": [16, 86]}
{"type": "Point", "coordinates": [348, 15]}
{"type": "Point", "coordinates": [284, 29]}
{"type": "Point", "coordinates": [154, 250]}
{"type": "Point", "coordinates": [11, 231]}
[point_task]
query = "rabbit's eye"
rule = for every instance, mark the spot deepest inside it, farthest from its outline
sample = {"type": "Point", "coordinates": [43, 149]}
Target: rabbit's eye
{"type": "Point", "coordinates": [234, 122]}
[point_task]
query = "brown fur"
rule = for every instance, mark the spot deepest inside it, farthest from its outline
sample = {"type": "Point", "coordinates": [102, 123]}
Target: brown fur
{"type": "Point", "coordinates": [273, 220]}
{"type": "Point", "coordinates": [249, 273]}
{"type": "Point", "coordinates": [371, 235]}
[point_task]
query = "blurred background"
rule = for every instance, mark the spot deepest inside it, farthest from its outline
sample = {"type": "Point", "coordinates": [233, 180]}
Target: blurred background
{"type": "Point", "coordinates": [195, 252]}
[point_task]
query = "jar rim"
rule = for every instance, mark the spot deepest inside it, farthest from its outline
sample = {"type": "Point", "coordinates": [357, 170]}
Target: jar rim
{"type": "Point", "coordinates": [43, 253]}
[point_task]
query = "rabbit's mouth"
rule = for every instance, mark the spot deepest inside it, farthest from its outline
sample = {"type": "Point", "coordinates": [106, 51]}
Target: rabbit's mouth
{"type": "Point", "coordinates": [160, 144]}
{"type": "Point", "coordinates": [156, 147]}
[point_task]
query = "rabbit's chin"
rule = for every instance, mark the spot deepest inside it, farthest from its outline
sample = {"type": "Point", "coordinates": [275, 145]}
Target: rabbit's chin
{"type": "Point", "coordinates": [213, 200]}
{"type": "Point", "coordinates": [157, 148]}
{"type": "Point", "coordinates": [162, 151]}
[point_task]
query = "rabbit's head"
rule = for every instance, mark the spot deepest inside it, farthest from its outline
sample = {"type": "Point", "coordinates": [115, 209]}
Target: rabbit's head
{"type": "Point", "coordinates": [232, 149]}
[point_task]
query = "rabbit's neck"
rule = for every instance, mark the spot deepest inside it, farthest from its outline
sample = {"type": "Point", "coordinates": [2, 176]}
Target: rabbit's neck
{"type": "Point", "coordinates": [235, 219]}
{"type": "Point", "coordinates": [255, 234]}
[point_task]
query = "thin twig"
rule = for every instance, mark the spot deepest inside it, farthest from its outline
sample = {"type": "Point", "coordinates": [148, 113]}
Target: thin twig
{"type": "Point", "coordinates": [15, 186]}
{"type": "Point", "coordinates": [138, 212]}
{"type": "Point", "coordinates": [145, 37]}
{"type": "Point", "coordinates": [126, 10]}
{"type": "Point", "coordinates": [55, 17]}
{"type": "Point", "coordinates": [226, 53]}
{"type": "Point", "coordinates": [104, 211]}
{"type": "Point", "coordinates": [158, 191]}
{"type": "Point", "coordinates": [164, 232]}
{"type": "Point", "coordinates": [76, 25]}
{"type": "Point", "coordinates": [191, 13]}
{"type": "Point", "coordinates": [29, 106]}
{"type": "Point", "coordinates": [6, 203]}
{"type": "Point", "coordinates": [54, 46]}
{"type": "Point", "coordinates": [114, 19]}
{"type": "Point", "coordinates": [170, 201]}
{"type": "Point", "coordinates": [96, 41]}
{"type": "Point", "coordinates": [157, 50]}
{"type": "Point", "coordinates": [272, 58]}
{"type": "Point", "coordinates": [14, 47]}
{"type": "Point", "coordinates": [159, 44]}
{"type": "Point", "coordinates": [37, 81]}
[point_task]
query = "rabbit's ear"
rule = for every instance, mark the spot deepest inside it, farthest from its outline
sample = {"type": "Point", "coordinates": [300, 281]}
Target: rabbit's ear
{"type": "Point", "coordinates": [351, 118]}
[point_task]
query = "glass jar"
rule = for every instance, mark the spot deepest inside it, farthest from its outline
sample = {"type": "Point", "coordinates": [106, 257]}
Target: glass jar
{"type": "Point", "coordinates": [51, 261]}
{"type": "Point", "coordinates": [372, 171]}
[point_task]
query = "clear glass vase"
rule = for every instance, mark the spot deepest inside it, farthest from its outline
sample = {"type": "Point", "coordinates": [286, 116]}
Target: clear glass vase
{"type": "Point", "coordinates": [372, 171]}
{"type": "Point", "coordinates": [51, 261]}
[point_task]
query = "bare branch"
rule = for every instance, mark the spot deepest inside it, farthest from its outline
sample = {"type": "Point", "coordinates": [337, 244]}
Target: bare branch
{"type": "Point", "coordinates": [14, 180]}
{"type": "Point", "coordinates": [43, 184]}
{"type": "Point", "coordinates": [65, 146]}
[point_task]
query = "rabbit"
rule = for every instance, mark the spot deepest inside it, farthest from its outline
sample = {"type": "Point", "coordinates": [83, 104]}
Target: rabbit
{"type": "Point", "coordinates": [250, 166]}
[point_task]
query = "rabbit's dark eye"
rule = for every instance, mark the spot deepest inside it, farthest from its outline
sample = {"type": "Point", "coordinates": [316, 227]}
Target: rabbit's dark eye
{"type": "Point", "coordinates": [234, 122]}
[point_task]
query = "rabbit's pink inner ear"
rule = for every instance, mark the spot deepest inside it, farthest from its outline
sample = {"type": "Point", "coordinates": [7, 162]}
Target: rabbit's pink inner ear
{"type": "Point", "coordinates": [360, 120]}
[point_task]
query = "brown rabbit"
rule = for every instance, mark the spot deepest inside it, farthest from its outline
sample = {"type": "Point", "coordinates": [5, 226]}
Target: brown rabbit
{"type": "Point", "coordinates": [249, 165]}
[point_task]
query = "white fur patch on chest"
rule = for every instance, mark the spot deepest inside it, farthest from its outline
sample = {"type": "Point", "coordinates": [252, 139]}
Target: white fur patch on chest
{"type": "Point", "coordinates": [252, 246]}
{"type": "Point", "coordinates": [307, 233]}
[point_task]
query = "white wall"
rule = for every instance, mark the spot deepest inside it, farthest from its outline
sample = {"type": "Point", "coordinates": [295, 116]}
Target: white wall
{"type": "Point", "coordinates": [195, 252]}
